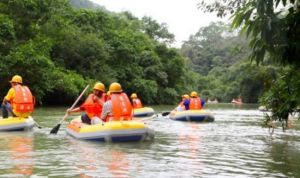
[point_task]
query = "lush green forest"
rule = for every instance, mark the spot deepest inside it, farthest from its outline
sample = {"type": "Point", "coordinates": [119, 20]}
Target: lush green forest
{"type": "Point", "coordinates": [220, 56]}
{"type": "Point", "coordinates": [272, 28]}
{"type": "Point", "coordinates": [59, 47]}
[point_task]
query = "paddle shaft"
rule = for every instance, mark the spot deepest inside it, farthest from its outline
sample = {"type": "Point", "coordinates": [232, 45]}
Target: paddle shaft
{"type": "Point", "coordinates": [56, 128]}
{"type": "Point", "coordinates": [151, 117]}
{"type": "Point", "coordinates": [74, 104]}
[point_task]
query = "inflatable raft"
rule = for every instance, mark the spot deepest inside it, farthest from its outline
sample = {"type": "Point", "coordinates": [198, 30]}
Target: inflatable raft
{"type": "Point", "coordinates": [114, 131]}
{"type": "Point", "coordinates": [143, 112]}
{"type": "Point", "coordinates": [16, 124]}
{"type": "Point", "coordinates": [192, 115]}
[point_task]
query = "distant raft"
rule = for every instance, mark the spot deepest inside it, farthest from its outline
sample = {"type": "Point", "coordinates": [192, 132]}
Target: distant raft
{"type": "Point", "coordinates": [113, 131]}
{"type": "Point", "coordinates": [16, 124]}
{"type": "Point", "coordinates": [192, 115]}
{"type": "Point", "coordinates": [143, 112]}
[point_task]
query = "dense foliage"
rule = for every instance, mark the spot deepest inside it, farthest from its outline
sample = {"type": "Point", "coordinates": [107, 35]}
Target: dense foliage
{"type": "Point", "coordinates": [219, 56]}
{"type": "Point", "coordinates": [58, 49]}
{"type": "Point", "coordinates": [273, 28]}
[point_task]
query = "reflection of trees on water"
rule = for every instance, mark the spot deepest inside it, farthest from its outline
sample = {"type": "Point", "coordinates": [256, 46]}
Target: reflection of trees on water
{"type": "Point", "coordinates": [286, 158]}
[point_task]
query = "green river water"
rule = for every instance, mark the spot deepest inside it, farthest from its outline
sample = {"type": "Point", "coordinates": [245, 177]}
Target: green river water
{"type": "Point", "coordinates": [235, 145]}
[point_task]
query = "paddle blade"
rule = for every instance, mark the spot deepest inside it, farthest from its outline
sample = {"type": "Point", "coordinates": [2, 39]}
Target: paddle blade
{"type": "Point", "coordinates": [55, 129]}
{"type": "Point", "coordinates": [165, 113]}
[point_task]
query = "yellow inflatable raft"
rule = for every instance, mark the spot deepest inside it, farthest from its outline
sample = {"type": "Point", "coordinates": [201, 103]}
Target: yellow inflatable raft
{"type": "Point", "coordinates": [143, 112]}
{"type": "Point", "coordinates": [114, 131]}
{"type": "Point", "coordinates": [16, 124]}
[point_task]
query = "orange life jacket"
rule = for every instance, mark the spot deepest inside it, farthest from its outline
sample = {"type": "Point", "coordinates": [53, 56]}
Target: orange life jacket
{"type": "Point", "coordinates": [121, 107]}
{"type": "Point", "coordinates": [23, 101]}
{"type": "Point", "coordinates": [195, 103]}
{"type": "Point", "coordinates": [92, 107]}
{"type": "Point", "coordinates": [137, 103]}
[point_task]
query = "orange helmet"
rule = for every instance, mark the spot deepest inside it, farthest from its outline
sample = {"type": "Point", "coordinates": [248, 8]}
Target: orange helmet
{"type": "Point", "coordinates": [115, 87]}
{"type": "Point", "coordinates": [194, 94]}
{"type": "Point", "coordinates": [99, 86]}
{"type": "Point", "coordinates": [133, 95]}
{"type": "Point", "coordinates": [16, 79]}
{"type": "Point", "coordinates": [186, 96]}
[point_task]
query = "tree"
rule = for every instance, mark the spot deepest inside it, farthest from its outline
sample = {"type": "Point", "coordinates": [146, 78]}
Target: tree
{"type": "Point", "coordinates": [157, 31]}
{"type": "Point", "coordinates": [273, 32]}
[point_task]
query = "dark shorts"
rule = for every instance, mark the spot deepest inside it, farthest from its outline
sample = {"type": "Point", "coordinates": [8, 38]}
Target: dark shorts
{"type": "Point", "coordinates": [85, 119]}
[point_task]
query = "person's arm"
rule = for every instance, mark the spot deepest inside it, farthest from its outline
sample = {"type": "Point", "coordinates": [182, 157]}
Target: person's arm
{"type": "Point", "coordinates": [202, 102]}
{"type": "Point", "coordinates": [78, 109]}
{"type": "Point", "coordinates": [9, 96]}
{"type": "Point", "coordinates": [106, 110]}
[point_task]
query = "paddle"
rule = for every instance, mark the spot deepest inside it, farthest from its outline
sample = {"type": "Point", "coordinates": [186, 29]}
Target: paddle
{"type": "Point", "coordinates": [148, 118]}
{"type": "Point", "coordinates": [165, 113]}
{"type": "Point", "coordinates": [56, 128]}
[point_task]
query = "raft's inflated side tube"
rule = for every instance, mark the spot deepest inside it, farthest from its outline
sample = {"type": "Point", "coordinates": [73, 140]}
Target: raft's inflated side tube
{"type": "Point", "coordinates": [16, 124]}
{"type": "Point", "coordinates": [192, 115]}
{"type": "Point", "coordinates": [143, 112]}
{"type": "Point", "coordinates": [113, 131]}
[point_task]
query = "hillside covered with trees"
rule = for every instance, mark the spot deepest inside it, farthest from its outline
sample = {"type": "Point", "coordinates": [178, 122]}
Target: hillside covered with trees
{"type": "Point", "coordinates": [58, 49]}
{"type": "Point", "coordinates": [220, 57]}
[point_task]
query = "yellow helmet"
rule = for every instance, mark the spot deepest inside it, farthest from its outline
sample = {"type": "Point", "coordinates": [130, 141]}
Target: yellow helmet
{"type": "Point", "coordinates": [16, 79]}
{"type": "Point", "coordinates": [115, 87]}
{"type": "Point", "coordinates": [194, 94]}
{"type": "Point", "coordinates": [99, 86]}
{"type": "Point", "coordinates": [186, 96]}
{"type": "Point", "coordinates": [133, 95]}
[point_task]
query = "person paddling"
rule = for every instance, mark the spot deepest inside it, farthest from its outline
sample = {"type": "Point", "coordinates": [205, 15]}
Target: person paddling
{"type": "Point", "coordinates": [136, 102]}
{"type": "Point", "coordinates": [92, 105]}
{"type": "Point", "coordinates": [183, 105]}
{"type": "Point", "coordinates": [18, 100]}
{"type": "Point", "coordinates": [118, 108]}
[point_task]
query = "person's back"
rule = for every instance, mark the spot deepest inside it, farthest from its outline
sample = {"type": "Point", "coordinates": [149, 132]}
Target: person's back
{"type": "Point", "coordinates": [118, 107]}
{"type": "Point", "coordinates": [136, 102]}
{"type": "Point", "coordinates": [196, 103]}
{"type": "Point", "coordinates": [19, 100]}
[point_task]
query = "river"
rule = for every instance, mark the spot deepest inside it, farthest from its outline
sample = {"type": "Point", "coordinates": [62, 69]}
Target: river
{"type": "Point", "coordinates": [235, 145]}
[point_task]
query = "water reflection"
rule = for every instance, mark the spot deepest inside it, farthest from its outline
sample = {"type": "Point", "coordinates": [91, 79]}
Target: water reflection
{"type": "Point", "coordinates": [119, 164]}
{"type": "Point", "coordinates": [19, 154]}
{"type": "Point", "coordinates": [285, 156]}
{"type": "Point", "coordinates": [190, 146]}
{"type": "Point", "coordinates": [235, 145]}
{"type": "Point", "coordinates": [99, 159]}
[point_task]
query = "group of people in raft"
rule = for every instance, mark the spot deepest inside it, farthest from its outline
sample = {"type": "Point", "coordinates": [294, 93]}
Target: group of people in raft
{"type": "Point", "coordinates": [192, 102]}
{"type": "Point", "coordinates": [98, 107]}
{"type": "Point", "coordinates": [111, 106]}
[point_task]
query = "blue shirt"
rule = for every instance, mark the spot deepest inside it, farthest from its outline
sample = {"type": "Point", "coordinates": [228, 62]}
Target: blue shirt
{"type": "Point", "coordinates": [186, 104]}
